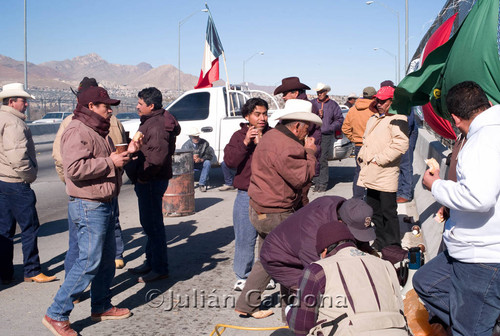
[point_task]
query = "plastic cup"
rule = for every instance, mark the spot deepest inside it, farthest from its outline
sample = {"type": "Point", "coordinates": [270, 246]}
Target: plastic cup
{"type": "Point", "coordinates": [120, 148]}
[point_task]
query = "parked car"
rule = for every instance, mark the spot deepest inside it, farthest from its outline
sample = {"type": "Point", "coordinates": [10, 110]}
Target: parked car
{"type": "Point", "coordinates": [52, 117]}
{"type": "Point", "coordinates": [127, 116]}
{"type": "Point", "coordinates": [342, 147]}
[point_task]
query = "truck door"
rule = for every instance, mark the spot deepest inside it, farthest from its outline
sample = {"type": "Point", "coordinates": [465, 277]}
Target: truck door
{"type": "Point", "coordinates": [193, 110]}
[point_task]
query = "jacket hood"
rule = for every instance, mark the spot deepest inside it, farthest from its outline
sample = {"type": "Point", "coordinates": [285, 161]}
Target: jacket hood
{"type": "Point", "coordinates": [489, 117]}
{"type": "Point", "coordinates": [362, 103]}
{"type": "Point", "coordinates": [171, 123]}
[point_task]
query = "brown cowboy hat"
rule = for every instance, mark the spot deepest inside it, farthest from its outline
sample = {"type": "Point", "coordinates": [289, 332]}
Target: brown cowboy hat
{"type": "Point", "coordinates": [290, 84]}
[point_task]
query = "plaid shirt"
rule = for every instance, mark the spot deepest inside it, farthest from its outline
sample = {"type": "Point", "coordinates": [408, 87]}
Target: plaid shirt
{"type": "Point", "coordinates": [302, 317]}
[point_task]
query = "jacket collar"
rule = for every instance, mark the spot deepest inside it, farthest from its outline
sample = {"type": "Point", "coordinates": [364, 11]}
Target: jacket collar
{"type": "Point", "coordinates": [283, 129]}
{"type": "Point", "coordinates": [13, 111]}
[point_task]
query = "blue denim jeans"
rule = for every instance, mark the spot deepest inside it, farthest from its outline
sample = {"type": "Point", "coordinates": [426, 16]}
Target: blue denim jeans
{"type": "Point", "coordinates": [245, 236]}
{"type": "Point", "coordinates": [228, 174]}
{"type": "Point", "coordinates": [150, 198]}
{"type": "Point", "coordinates": [72, 252]}
{"type": "Point", "coordinates": [405, 182]}
{"type": "Point", "coordinates": [204, 169]}
{"type": "Point", "coordinates": [465, 296]}
{"type": "Point", "coordinates": [17, 204]}
{"type": "Point", "coordinates": [95, 263]}
{"type": "Point", "coordinates": [357, 191]}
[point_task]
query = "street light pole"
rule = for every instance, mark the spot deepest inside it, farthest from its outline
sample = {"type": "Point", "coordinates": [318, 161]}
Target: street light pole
{"type": "Point", "coordinates": [395, 12]}
{"type": "Point", "coordinates": [395, 62]}
{"type": "Point", "coordinates": [406, 38]}
{"type": "Point", "coordinates": [248, 59]}
{"type": "Point", "coordinates": [181, 22]}
{"type": "Point", "coordinates": [26, 56]}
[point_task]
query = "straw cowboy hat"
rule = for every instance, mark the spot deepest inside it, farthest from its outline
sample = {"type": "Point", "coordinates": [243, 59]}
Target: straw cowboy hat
{"type": "Point", "coordinates": [300, 110]}
{"type": "Point", "coordinates": [193, 131]}
{"type": "Point", "coordinates": [322, 87]}
{"type": "Point", "coordinates": [290, 84]}
{"type": "Point", "coordinates": [14, 90]}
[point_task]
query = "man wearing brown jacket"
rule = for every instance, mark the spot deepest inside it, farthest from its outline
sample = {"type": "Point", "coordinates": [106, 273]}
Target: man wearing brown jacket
{"type": "Point", "coordinates": [92, 172]}
{"type": "Point", "coordinates": [354, 127]}
{"type": "Point", "coordinates": [283, 163]}
{"type": "Point", "coordinates": [117, 134]}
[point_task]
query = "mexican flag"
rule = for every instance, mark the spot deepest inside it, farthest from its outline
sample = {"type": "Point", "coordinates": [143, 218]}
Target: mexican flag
{"type": "Point", "coordinates": [213, 49]}
{"type": "Point", "coordinates": [471, 54]}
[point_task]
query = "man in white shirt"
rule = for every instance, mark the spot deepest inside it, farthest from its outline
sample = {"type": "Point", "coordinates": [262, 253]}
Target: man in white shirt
{"type": "Point", "coordinates": [461, 286]}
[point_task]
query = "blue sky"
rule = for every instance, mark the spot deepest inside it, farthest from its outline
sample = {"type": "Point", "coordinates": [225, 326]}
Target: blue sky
{"type": "Point", "coordinates": [319, 41]}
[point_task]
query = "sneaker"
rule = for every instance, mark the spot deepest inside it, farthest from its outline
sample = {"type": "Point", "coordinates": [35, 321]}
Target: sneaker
{"type": "Point", "coordinates": [226, 187]}
{"type": "Point", "coordinates": [58, 328]}
{"type": "Point", "coordinates": [271, 285]}
{"type": "Point", "coordinates": [143, 269]}
{"type": "Point", "coordinates": [114, 313]}
{"type": "Point", "coordinates": [203, 188]}
{"type": "Point", "coordinates": [152, 276]}
{"type": "Point", "coordinates": [239, 285]}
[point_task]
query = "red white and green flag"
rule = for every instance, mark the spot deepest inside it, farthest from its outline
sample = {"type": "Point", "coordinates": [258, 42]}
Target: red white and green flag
{"type": "Point", "coordinates": [472, 53]}
{"type": "Point", "coordinates": [213, 49]}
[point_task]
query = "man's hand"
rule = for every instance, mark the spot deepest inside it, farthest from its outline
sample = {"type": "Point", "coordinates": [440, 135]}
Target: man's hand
{"type": "Point", "coordinates": [309, 144]}
{"type": "Point", "coordinates": [430, 178]}
{"type": "Point", "coordinates": [119, 160]}
{"type": "Point", "coordinates": [134, 146]}
{"type": "Point", "coordinates": [252, 135]}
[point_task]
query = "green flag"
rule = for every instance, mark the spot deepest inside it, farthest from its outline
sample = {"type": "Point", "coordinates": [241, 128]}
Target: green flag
{"type": "Point", "coordinates": [471, 54]}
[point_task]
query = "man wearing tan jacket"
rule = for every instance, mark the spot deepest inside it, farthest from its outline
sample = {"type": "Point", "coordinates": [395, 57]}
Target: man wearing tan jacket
{"type": "Point", "coordinates": [354, 128]}
{"type": "Point", "coordinates": [384, 142]}
{"type": "Point", "coordinates": [18, 168]}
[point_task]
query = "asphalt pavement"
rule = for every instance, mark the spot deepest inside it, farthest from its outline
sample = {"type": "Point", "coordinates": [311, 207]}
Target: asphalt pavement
{"type": "Point", "coordinates": [199, 293]}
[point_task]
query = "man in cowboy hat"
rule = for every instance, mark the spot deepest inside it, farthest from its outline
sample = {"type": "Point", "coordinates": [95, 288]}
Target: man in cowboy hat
{"type": "Point", "coordinates": [283, 164]}
{"type": "Point", "coordinates": [202, 155]}
{"type": "Point", "coordinates": [331, 114]}
{"type": "Point", "coordinates": [351, 99]}
{"type": "Point", "coordinates": [292, 88]}
{"type": "Point", "coordinates": [18, 168]}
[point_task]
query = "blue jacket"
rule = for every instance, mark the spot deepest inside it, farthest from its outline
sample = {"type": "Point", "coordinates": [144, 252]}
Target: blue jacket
{"type": "Point", "coordinates": [332, 116]}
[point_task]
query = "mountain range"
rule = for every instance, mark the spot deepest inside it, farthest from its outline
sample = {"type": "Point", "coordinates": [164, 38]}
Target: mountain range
{"type": "Point", "coordinates": [68, 73]}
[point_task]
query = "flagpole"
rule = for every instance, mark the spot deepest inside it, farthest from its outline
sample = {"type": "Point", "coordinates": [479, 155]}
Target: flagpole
{"type": "Point", "coordinates": [228, 97]}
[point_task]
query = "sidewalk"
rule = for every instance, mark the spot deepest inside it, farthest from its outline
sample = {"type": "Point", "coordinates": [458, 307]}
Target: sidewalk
{"type": "Point", "coordinates": [197, 296]}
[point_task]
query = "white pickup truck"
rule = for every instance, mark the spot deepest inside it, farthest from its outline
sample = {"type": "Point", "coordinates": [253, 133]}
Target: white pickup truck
{"type": "Point", "coordinates": [215, 111]}
{"type": "Point", "coordinates": [218, 117]}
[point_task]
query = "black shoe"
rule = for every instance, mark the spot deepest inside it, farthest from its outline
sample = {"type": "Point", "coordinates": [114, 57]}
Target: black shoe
{"type": "Point", "coordinates": [152, 276]}
{"type": "Point", "coordinates": [143, 269]}
{"type": "Point", "coordinates": [319, 188]}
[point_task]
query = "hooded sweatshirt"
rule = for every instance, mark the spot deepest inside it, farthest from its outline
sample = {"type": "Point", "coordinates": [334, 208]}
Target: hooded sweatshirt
{"type": "Point", "coordinates": [355, 121]}
{"type": "Point", "coordinates": [472, 233]}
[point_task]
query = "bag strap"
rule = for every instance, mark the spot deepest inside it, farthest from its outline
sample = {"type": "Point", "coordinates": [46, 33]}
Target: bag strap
{"type": "Point", "coordinates": [334, 323]}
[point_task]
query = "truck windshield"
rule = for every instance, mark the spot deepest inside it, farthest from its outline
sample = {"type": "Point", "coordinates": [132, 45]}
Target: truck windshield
{"type": "Point", "coordinates": [194, 106]}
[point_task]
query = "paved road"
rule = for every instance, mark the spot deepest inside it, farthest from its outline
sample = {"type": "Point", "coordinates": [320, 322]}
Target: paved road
{"type": "Point", "coordinates": [199, 292]}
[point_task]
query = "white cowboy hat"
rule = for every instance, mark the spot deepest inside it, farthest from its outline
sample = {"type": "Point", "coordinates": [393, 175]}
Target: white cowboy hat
{"type": "Point", "coordinates": [322, 87]}
{"type": "Point", "coordinates": [300, 110]}
{"type": "Point", "coordinates": [352, 95]}
{"type": "Point", "coordinates": [193, 131]}
{"type": "Point", "coordinates": [14, 90]}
